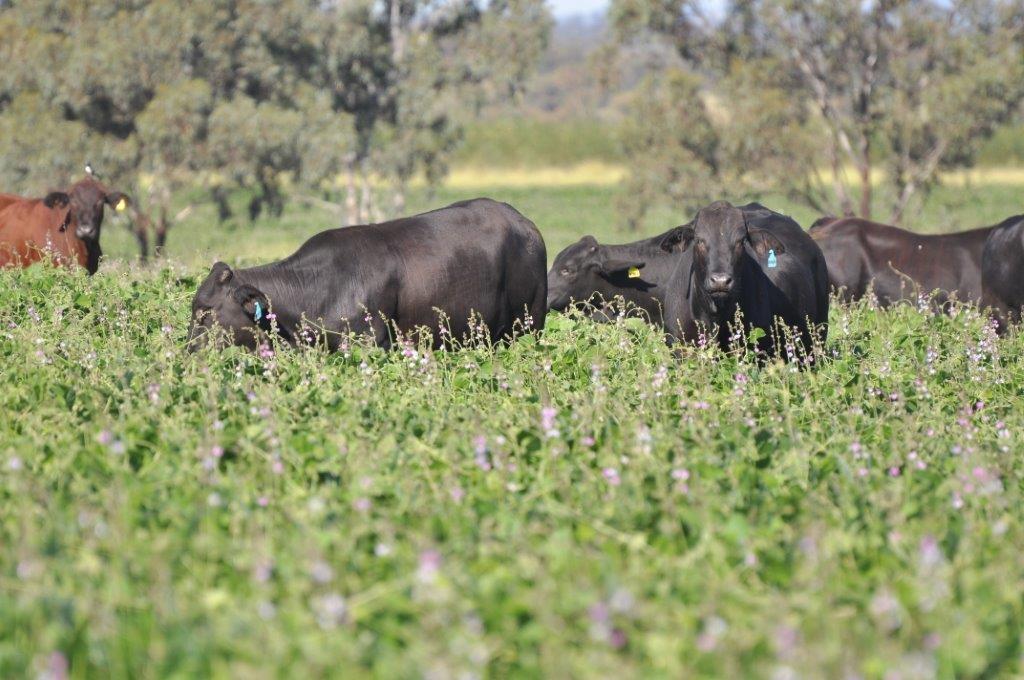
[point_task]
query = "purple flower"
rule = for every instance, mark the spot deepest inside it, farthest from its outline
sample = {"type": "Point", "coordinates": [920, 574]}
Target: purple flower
{"type": "Point", "coordinates": [362, 504]}
{"type": "Point", "coordinates": [611, 475]}
{"type": "Point", "coordinates": [713, 630]}
{"type": "Point", "coordinates": [429, 565]}
{"type": "Point", "coordinates": [457, 494]}
{"type": "Point", "coordinates": [105, 437]}
{"type": "Point", "coordinates": [263, 571]}
{"type": "Point", "coordinates": [263, 501]}
{"type": "Point", "coordinates": [321, 572]}
{"type": "Point", "coordinates": [547, 421]}
{"type": "Point", "coordinates": [331, 610]}
{"type": "Point", "coordinates": [56, 667]}
{"type": "Point", "coordinates": [930, 553]}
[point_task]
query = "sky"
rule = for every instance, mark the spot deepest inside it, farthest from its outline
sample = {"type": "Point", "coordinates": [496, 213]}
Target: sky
{"type": "Point", "coordinates": [567, 8]}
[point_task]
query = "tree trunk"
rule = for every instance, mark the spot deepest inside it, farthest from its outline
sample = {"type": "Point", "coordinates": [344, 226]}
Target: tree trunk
{"type": "Point", "coordinates": [351, 199]}
{"type": "Point", "coordinates": [865, 188]}
{"type": "Point", "coordinates": [140, 226]}
{"type": "Point", "coordinates": [161, 232]}
{"type": "Point", "coordinates": [365, 199]}
{"type": "Point", "coordinates": [399, 201]}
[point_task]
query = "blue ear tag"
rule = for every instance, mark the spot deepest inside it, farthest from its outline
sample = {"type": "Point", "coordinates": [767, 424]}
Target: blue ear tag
{"type": "Point", "coordinates": [258, 313]}
{"type": "Point", "coordinates": [772, 261]}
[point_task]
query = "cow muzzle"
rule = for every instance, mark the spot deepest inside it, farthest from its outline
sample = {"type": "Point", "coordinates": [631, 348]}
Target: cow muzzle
{"type": "Point", "coordinates": [719, 285]}
{"type": "Point", "coordinates": [86, 233]}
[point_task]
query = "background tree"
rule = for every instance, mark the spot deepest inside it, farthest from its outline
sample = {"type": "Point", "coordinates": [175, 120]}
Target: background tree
{"type": "Point", "coordinates": [894, 91]}
{"type": "Point", "coordinates": [225, 94]}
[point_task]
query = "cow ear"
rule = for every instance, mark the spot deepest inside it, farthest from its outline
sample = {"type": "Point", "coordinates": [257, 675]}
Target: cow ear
{"type": "Point", "coordinates": [763, 241]}
{"type": "Point", "coordinates": [117, 200]}
{"type": "Point", "coordinates": [678, 240]}
{"type": "Point", "coordinates": [221, 273]}
{"type": "Point", "coordinates": [609, 267]}
{"type": "Point", "coordinates": [255, 304]}
{"type": "Point", "coordinates": [57, 199]}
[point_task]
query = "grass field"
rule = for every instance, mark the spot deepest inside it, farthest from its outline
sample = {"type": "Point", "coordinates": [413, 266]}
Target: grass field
{"type": "Point", "coordinates": [564, 204]}
{"type": "Point", "coordinates": [576, 505]}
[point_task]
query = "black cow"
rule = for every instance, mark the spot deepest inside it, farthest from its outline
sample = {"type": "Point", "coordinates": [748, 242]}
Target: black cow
{"type": "Point", "coordinates": [1003, 270]}
{"type": "Point", "coordinates": [899, 265]}
{"type": "Point", "coordinates": [591, 273]}
{"type": "Point", "coordinates": [750, 260]}
{"type": "Point", "coordinates": [478, 258]}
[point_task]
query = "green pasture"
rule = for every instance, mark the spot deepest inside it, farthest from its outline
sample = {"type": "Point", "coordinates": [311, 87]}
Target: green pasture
{"type": "Point", "coordinates": [562, 213]}
{"type": "Point", "coordinates": [578, 504]}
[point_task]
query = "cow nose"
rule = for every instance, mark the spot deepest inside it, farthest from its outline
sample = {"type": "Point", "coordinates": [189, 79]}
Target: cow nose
{"type": "Point", "coordinates": [719, 281]}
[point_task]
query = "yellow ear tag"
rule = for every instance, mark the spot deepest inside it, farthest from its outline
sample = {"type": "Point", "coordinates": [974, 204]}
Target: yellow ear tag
{"type": "Point", "coordinates": [121, 205]}
{"type": "Point", "coordinates": [634, 272]}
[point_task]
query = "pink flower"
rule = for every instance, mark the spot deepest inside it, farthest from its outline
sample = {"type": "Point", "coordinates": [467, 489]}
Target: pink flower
{"type": "Point", "coordinates": [56, 667]}
{"type": "Point", "coordinates": [611, 475]}
{"type": "Point", "coordinates": [429, 565]}
{"type": "Point", "coordinates": [217, 451]}
{"type": "Point", "coordinates": [862, 472]}
{"type": "Point", "coordinates": [457, 494]}
{"type": "Point", "coordinates": [362, 504]}
{"type": "Point", "coordinates": [930, 553]}
{"type": "Point", "coordinates": [547, 421]}
{"type": "Point", "coordinates": [894, 471]}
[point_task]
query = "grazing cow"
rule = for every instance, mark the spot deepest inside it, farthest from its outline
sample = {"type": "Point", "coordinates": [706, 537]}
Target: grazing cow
{"type": "Point", "coordinates": [64, 226]}
{"type": "Point", "coordinates": [1003, 270]}
{"type": "Point", "coordinates": [900, 265]}
{"type": "Point", "coordinates": [591, 273]}
{"type": "Point", "coordinates": [477, 258]}
{"type": "Point", "coordinates": [750, 260]}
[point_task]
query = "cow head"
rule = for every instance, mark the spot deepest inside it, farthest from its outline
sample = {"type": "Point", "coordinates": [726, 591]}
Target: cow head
{"type": "Point", "coordinates": [238, 308]}
{"type": "Point", "coordinates": [720, 240]}
{"type": "Point", "coordinates": [581, 270]}
{"type": "Point", "coordinates": [88, 200]}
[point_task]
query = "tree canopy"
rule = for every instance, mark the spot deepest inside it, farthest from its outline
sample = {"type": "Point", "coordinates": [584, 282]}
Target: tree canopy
{"type": "Point", "coordinates": [161, 93]}
{"type": "Point", "coordinates": [821, 98]}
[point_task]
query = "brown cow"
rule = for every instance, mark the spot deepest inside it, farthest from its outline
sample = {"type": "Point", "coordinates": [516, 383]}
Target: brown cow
{"type": "Point", "coordinates": [8, 199]}
{"type": "Point", "coordinates": [898, 264]}
{"type": "Point", "coordinates": [64, 227]}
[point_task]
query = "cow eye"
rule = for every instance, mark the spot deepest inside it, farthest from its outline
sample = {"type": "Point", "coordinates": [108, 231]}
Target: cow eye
{"type": "Point", "coordinates": [565, 272]}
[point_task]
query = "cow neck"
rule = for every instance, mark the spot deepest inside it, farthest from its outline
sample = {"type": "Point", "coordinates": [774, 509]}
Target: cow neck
{"type": "Point", "coordinates": [279, 284]}
{"type": "Point", "coordinates": [93, 252]}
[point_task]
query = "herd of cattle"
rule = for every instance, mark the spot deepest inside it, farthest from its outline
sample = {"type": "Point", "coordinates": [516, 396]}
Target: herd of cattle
{"type": "Point", "coordinates": [477, 269]}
